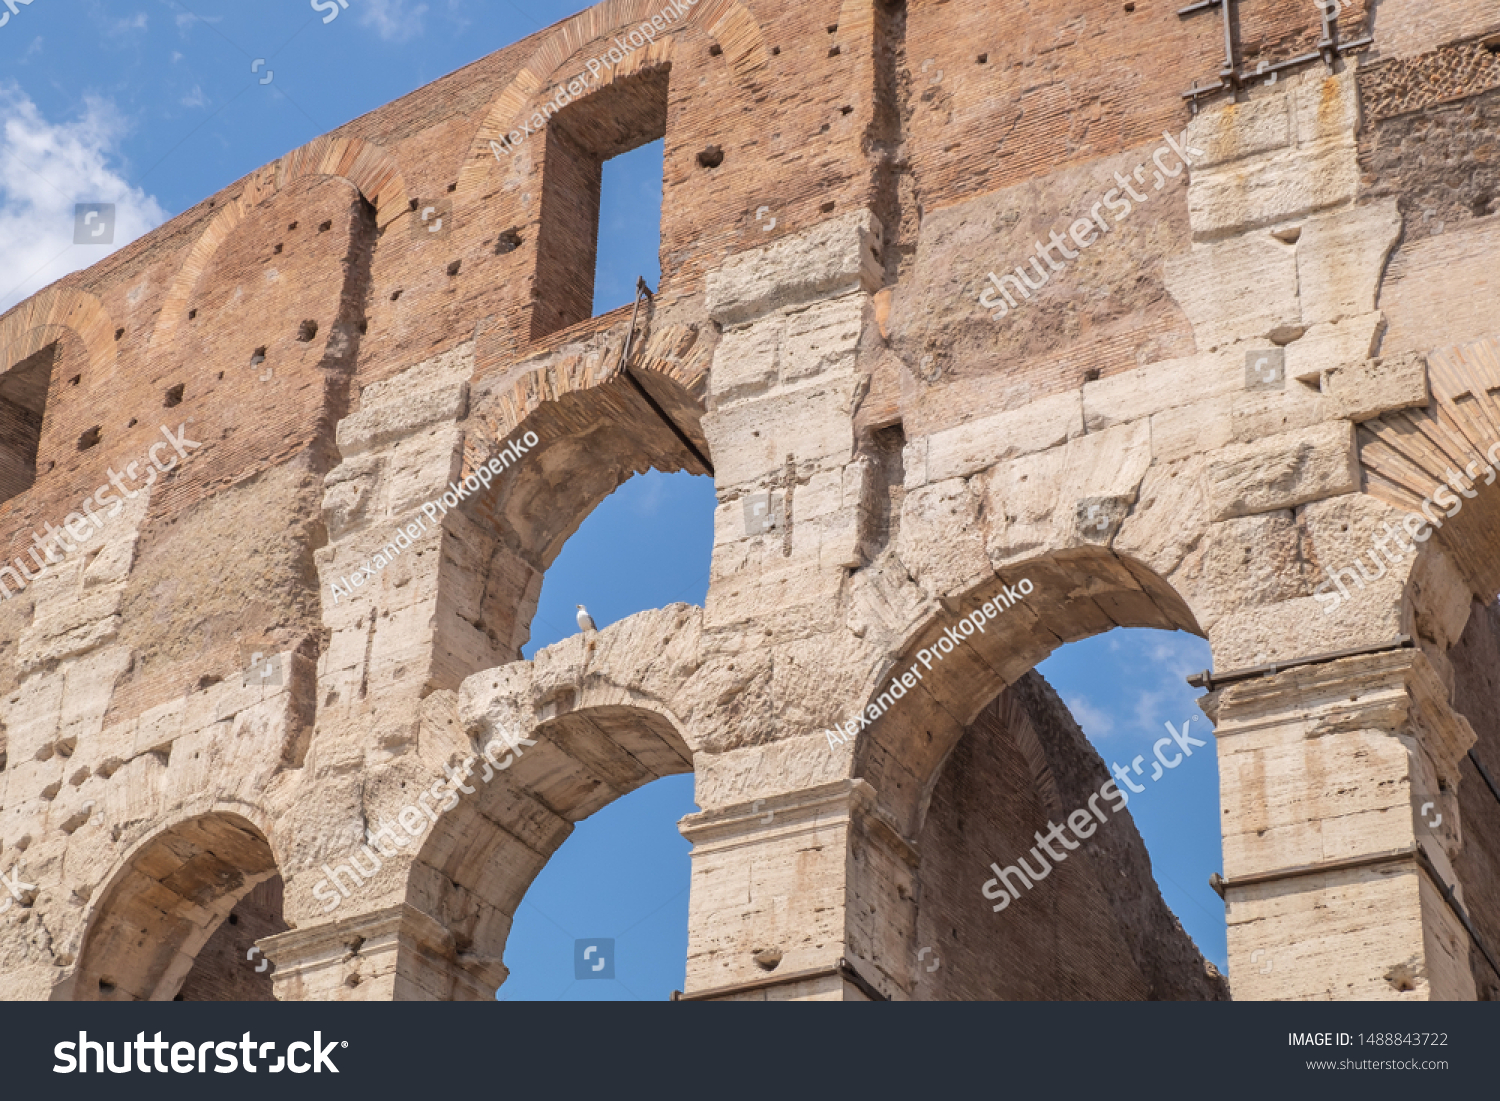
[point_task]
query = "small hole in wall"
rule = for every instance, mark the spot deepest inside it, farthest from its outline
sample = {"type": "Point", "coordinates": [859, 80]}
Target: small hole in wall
{"type": "Point", "coordinates": [412, 205]}
{"type": "Point", "coordinates": [395, 296]}
{"type": "Point", "coordinates": [174, 395]}
{"type": "Point", "coordinates": [832, 29]}
{"type": "Point", "coordinates": [1091, 375]}
{"type": "Point", "coordinates": [834, 52]}
{"type": "Point", "coordinates": [845, 110]}
{"type": "Point", "coordinates": [982, 59]}
{"type": "Point", "coordinates": [509, 241]}
{"type": "Point", "coordinates": [75, 380]}
{"type": "Point", "coordinates": [133, 423]}
{"type": "Point", "coordinates": [326, 226]}
{"type": "Point", "coordinates": [775, 51]}
{"type": "Point", "coordinates": [292, 226]}
{"type": "Point", "coordinates": [1130, 7]}
{"type": "Point", "coordinates": [827, 208]}
{"type": "Point", "coordinates": [234, 919]}
{"type": "Point", "coordinates": [307, 330]}
{"type": "Point", "coordinates": [192, 314]}
{"type": "Point", "coordinates": [452, 188]}
{"type": "Point", "coordinates": [1492, 44]}
{"type": "Point", "coordinates": [88, 439]}
{"type": "Point", "coordinates": [1483, 206]}
{"type": "Point", "coordinates": [715, 50]}
{"type": "Point", "coordinates": [119, 333]}
{"type": "Point", "coordinates": [221, 376]}
{"type": "Point", "coordinates": [364, 327]}
{"type": "Point", "coordinates": [276, 251]}
{"type": "Point", "coordinates": [453, 267]}
{"type": "Point", "coordinates": [711, 157]}
{"type": "Point", "coordinates": [106, 986]}
{"type": "Point", "coordinates": [258, 357]}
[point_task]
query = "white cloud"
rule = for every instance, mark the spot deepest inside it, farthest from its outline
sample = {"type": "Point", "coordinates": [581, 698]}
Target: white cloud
{"type": "Point", "coordinates": [1095, 723]}
{"type": "Point", "coordinates": [34, 48]}
{"type": "Point", "coordinates": [45, 170]}
{"type": "Point", "coordinates": [391, 19]}
{"type": "Point", "coordinates": [195, 98]}
{"type": "Point", "coordinates": [136, 22]}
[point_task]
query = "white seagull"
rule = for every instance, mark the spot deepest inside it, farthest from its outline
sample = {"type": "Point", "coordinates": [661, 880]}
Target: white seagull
{"type": "Point", "coordinates": [585, 621]}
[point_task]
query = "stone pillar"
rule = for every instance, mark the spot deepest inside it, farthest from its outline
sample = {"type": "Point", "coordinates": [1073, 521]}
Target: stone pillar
{"type": "Point", "coordinates": [1333, 777]}
{"type": "Point", "coordinates": [395, 954]}
{"type": "Point", "coordinates": [806, 896]}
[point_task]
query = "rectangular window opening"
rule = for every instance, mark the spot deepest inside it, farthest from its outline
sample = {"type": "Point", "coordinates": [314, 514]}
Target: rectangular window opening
{"type": "Point", "coordinates": [600, 219]}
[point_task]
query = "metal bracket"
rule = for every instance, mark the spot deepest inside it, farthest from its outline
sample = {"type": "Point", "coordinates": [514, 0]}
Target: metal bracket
{"type": "Point", "coordinates": [1231, 78]}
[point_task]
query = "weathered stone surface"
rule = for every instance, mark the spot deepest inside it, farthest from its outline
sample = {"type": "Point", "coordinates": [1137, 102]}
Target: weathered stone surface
{"type": "Point", "coordinates": [205, 711]}
{"type": "Point", "coordinates": [1283, 471]}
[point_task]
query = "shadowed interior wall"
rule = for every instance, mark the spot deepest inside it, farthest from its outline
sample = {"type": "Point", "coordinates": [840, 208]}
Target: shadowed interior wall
{"type": "Point", "coordinates": [1095, 927]}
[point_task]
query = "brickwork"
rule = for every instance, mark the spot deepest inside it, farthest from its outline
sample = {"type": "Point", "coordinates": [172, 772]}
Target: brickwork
{"type": "Point", "coordinates": [226, 970]}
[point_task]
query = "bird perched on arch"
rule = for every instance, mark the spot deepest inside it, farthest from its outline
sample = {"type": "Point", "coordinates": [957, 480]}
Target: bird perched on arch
{"type": "Point", "coordinates": [585, 621]}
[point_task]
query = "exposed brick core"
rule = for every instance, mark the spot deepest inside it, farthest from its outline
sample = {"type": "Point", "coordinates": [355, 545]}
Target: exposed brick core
{"type": "Point", "coordinates": [1094, 927]}
{"type": "Point", "coordinates": [1476, 667]}
{"type": "Point", "coordinates": [223, 971]}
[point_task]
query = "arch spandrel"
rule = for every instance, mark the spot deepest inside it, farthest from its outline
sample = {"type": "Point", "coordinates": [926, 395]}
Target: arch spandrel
{"type": "Point", "coordinates": [34, 324]}
{"type": "Point", "coordinates": [371, 168]}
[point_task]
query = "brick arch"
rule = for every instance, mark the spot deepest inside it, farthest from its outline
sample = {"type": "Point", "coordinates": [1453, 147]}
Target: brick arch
{"type": "Point", "coordinates": [42, 319]}
{"type": "Point", "coordinates": [369, 167]}
{"type": "Point", "coordinates": [163, 901]}
{"type": "Point", "coordinates": [1075, 594]}
{"type": "Point", "coordinates": [1406, 454]}
{"type": "Point", "coordinates": [728, 22]}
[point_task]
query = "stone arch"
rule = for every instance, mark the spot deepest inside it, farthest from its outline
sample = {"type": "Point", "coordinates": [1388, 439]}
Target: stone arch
{"type": "Point", "coordinates": [164, 901]}
{"type": "Point", "coordinates": [1075, 594]}
{"type": "Point", "coordinates": [600, 712]}
{"type": "Point", "coordinates": [371, 168]}
{"type": "Point", "coordinates": [1405, 454]}
{"type": "Point", "coordinates": [595, 428]}
{"type": "Point", "coordinates": [41, 320]}
{"type": "Point", "coordinates": [728, 22]}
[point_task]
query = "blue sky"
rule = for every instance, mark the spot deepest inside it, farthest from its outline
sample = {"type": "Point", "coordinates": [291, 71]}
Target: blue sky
{"type": "Point", "coordinates": [152, 105]}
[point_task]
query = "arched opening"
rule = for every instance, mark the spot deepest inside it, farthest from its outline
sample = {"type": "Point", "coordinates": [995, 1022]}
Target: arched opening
{"type": "Point", "coordinates": [622, 876]}
{"type": "Point", "coordinates": [159, 929]}
{"type": "Point", "coordinates": [1033, 884]}
{"type": "Point", "coordinates": [618, 885]}
{"type": "Point", "coordinates": [984, 767]}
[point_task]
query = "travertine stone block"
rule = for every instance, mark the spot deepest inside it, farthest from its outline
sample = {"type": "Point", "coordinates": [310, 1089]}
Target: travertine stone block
{"type": "Point", "coordinates": [1282, 471]}
{"type": "Point", "coordinates": [833, 258]}
{"type": "Point", "coordinates": [973, 446]}
{"type": "Point", "coordinates": [1363, 391]}
{"type": "Point", "coordinates": [1340, 258]}
{"type": "Point", "coordinates": [1239, 288]}
{"type": "Point", "coordinates": [1259, 125]}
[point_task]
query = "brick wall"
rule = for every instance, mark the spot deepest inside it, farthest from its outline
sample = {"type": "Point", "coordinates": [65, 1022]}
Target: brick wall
{"type": "Point", "coordinates": [223, 973]}
{"type": "Point", "coordinates": [1095, 927]}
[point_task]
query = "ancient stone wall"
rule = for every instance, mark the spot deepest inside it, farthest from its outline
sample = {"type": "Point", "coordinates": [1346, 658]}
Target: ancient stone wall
{"type": "Point", "coordinates": [275, 635]}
